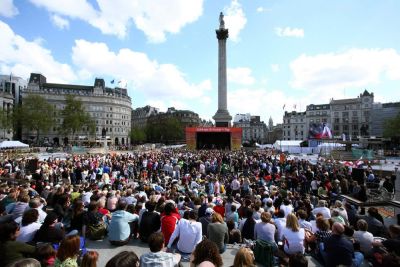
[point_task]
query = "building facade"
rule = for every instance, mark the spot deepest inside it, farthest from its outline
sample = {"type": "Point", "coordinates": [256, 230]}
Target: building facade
{"type": "Point", "coordinates": [141, 115]}
{"type": "Point", "coordinates": [253, 129]}
{"type": "Point", "coordinates": [10, 88]}
{"type": "Point", "coordinates": [352, 117]}
{"type": "Point", "coordinates": [110, 108]}
{"type": "Point", "coordinates": [294, 126]}
{"type": "Point", "coordinates": [380, 114]}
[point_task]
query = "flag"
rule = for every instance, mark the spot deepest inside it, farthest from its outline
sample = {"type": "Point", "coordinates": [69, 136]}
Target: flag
{"type": "Point", "coordinates": [112, 82]}
{"type": "Point", "coordinates": [294, 106]}
{"type": "Point", "coordinates": [119, 82]}
{"type": "Point", "coordinates": [284, 105]}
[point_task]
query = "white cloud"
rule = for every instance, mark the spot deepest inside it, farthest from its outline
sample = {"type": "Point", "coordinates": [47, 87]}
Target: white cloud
{"type": "Point", "coordinates": [155, 18]}
{"type": "Point", "coordinates": [8, 9]}
{"type": "Point", "coordinates": [354, 68]}
{"type": "Point", "coordinates": [289, 32]}
{"type": "Point", "coordinates": [235, 19]}
{"type": "Point", "coordinates": [275, 67]}
{"type": "Point", "coordinates": [22, 57]}
{"type": "Point", "coordinates": [240, 76]}
{"type": "Point", "coordinates": [260, 9]}
{"type": "Point", "coordinates": [243, 101]}
{"type": "Point", "coordinates": [153, 79]}
{"type": "Point", "coordinates": [59, 22]}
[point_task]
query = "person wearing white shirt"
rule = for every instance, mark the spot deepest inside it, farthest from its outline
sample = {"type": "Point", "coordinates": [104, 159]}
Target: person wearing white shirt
{"type": "Point", "coordinates": [35, 204]}
{"type": "Point", "coordinates": [364, 237]}
{"type": "Point", "coordinates": [29, 226]}
{"type": "Point", "coordinates": [293, 236]}
{"type": "Point", "coordinates": [286, 207]}
{"type": "Point", "coordinates": [189, 232]}
{"type": "Point", "coordinates": [280, 223]}
{"type": "Point", "coordinates": [321, 208]}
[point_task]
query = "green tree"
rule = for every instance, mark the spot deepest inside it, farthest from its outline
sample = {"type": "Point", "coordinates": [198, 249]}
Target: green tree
{"type": "Point", "coordinates": [35, 113]}
{"type": "Point", "coordinates": [137, 135]}
{"type": "Point", "coordinates": [165, 131]}
{"type": "Point", "coordinates": [392, 128]}
{"type": "Point", "coordinates": [6, 122]}
{"type": "Point", "coordinates": [75, 117]}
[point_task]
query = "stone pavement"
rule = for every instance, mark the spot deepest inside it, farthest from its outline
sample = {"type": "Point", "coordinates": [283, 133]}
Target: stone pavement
{"type": "Point", "coordinates": [106, 252]}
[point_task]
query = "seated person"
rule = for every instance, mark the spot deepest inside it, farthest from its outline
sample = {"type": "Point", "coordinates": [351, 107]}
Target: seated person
{"type": "Point", "coordinates": [119, 230]}
{"type": "Point", "coordinates": [157, 257]}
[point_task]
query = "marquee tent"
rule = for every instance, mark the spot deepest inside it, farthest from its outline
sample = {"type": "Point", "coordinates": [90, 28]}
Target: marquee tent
{"type": "Point", "coordinates": [12, 144]}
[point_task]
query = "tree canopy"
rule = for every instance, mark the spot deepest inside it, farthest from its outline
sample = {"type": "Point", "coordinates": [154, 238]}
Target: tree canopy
{"type": "Point", "coordinates": [166, 131]}
{"type": "Point", "coordinates": [36, 114]}
{"type": "Point", "coordinates": [137, 135]}
{"type": "Point", "coordinates": [6, 122]}
{"type": "Point", "coordinates": [75, 117]}
{"type": "Point", "coordinates": [392, 127]}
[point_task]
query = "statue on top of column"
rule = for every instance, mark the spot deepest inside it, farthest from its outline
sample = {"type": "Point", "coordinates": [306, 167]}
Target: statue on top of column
{"type": "Point", "coordinates": [221, 21]}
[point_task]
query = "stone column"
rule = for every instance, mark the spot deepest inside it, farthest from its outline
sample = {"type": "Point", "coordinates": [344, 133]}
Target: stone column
{"type": "Point", "coordinates": [222, 117]}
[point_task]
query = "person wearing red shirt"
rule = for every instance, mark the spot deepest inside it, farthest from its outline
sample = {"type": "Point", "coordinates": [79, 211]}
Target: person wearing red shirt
{"type": "Point", "coordinates": [219, 207]}
{"type": "Point", "coordinates": [169, 219]}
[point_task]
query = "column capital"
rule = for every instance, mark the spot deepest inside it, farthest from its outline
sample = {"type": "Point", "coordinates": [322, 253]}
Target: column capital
{"type": "Point", "coordinates": [222, 34]}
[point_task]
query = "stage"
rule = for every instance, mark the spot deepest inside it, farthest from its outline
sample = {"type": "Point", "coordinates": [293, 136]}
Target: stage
{"type": "Point", "coordinates": [227, 138]}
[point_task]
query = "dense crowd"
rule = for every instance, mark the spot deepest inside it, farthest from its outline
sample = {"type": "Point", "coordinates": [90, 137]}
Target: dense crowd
{"type": "Point", "coordinates": [188, 206]}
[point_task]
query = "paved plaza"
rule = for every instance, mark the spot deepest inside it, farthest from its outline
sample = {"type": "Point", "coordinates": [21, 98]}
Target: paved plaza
{"type": "Point", "coordinates": [106, 252]}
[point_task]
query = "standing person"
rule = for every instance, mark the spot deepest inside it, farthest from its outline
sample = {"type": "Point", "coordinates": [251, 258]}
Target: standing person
{"type": "Point", "coordinates": [189, 232]}
{"type": "Point", "coordinates": [235, 186]}
{"type": "Point", "coordinates": [68, 251]}
{"type": "Point", "coordinates": [338, 249]}
{"type": "Point", "coordinates": [119, 230]}
{"type": "Point", "coordinates": [156, 256]}
{"type": "Point", "coordinates": [150, 221]}
{"type": "Point", "coordinates": [217, 232]}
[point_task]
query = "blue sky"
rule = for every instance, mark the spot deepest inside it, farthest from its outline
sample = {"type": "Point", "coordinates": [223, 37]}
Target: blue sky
{"type": "Point", "coordinates": [280, 52]}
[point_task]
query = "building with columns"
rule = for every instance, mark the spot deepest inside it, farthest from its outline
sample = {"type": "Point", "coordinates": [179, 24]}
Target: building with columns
{"type": "Point", "coordinates": [110, 108]}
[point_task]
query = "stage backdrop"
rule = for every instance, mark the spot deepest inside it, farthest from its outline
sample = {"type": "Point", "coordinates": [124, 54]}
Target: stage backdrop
{"type": "Point", "coordinates": [236, 135]}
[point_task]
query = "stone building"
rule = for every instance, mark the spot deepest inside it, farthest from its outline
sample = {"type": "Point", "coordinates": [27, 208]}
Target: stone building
{"type": "Point", "coordinates": [110, 108]}
{"type": "Point", "coordinates": [294, 126]}
{"type": "Point", "coordinates": [10, 88]}
{"type": "Point", "coordinates": [141, 115]}
{"type": "Point", "coordinates": [352, 117]}
{"type": "Point", "coordinates": [253, 129]}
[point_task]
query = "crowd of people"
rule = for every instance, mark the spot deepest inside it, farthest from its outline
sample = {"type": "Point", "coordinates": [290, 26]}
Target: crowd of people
{"type": "Point", "coordinates": [190, 206]}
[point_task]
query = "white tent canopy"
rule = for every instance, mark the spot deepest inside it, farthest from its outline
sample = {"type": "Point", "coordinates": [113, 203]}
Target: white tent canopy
{"type": "Point", "coordinates": [13, 144]}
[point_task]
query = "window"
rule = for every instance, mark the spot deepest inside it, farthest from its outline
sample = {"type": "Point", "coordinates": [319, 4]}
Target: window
{"type": "Point", "coordinates": [336, 127]}
{"type": "Point", "coordinates": [355, 113]}
{"type": "Point", "coordinates": [336, 114]}
{"type": "Point", "coordinates": [345, 127]}
{"type": "Point", "coordinates": [345, 114]}
{"type": "Point", "coordinates": [355, 127]}
{"type": "Point", "coordinates": [336, 120]}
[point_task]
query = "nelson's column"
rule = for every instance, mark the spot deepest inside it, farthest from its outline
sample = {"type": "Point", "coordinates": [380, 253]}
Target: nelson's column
{"type": "Point", "coordinates": [222, 117]}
